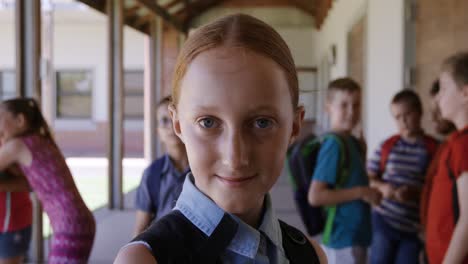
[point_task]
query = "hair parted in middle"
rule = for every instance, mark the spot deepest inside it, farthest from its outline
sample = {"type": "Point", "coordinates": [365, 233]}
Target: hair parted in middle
{"type": "Point", "coordinates": [238, 31]}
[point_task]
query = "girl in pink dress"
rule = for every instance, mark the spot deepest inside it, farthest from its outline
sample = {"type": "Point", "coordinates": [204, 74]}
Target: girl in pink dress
{"type": "Point", "coordinates": [27, 142]}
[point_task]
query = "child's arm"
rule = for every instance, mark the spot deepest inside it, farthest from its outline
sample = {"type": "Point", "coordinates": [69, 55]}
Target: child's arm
{"type": "Point", "coordinates": [321, 195]}
{"type": "Point", "coordinates": [143, 220]}
{"type": "Point", "coordinates": [135, 254]}
{"type": "Point", "coordinates": [458, 251]}
{"type": "Point", "coordinates": [10, 153]}
{"type": "Point", "coordinates": [320, 253]}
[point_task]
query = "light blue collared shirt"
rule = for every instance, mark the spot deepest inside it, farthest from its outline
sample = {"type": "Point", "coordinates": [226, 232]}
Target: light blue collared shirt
{"type": "Point", "coordinates": [249, 245]}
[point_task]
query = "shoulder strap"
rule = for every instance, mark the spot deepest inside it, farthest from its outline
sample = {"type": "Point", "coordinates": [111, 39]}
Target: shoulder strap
{"type": "Point", "coordinates": [343, 166]}
{"type": "Point", "coordinates": [297, 247]}
{"type": "Point", "coordinates": [453, 178]}
{"type": "Point", "coordinates": [387, 147]}
{"type": "Point", "coordinates": [154, 181]}
{"type": "Point", "coordinates": [431, 145]}
{"type": "Point", "coordinates": [174, 239]}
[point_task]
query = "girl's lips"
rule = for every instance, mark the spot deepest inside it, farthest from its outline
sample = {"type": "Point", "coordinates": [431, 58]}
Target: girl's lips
{"type": "Point", "coordinates": [235, 181]}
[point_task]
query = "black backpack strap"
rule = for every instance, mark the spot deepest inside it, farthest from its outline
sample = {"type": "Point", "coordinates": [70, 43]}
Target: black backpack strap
{"type": "Point", "coordinates": [174, 239]}
{"type": "Point", "coordinates": [455, 205]}
{"type": "Point", "coordinates": [297, 246]}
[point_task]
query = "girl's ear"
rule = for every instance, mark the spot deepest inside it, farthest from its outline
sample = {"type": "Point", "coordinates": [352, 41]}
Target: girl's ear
{"type": "Point", "coordinates": [175, 121]}
{"type": "Point", "coordinates": [297, 124]}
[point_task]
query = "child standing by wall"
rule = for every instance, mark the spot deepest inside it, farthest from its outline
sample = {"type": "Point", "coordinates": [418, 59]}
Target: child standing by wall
{"type": "Point", "coordinates": [162, 181]}
{"type": "Point", "coordinates": [351, 230]}
{"type": "Point", "coordinates": [236, 109]}
{"type": "Point", "coordinates": [447, 221]}
{"type": "Point", "coordinates": [28, 143]}
{"type": "Point", "coordinates": [15, 217]}
{"type": "Point", "coordinates": [398, 169]}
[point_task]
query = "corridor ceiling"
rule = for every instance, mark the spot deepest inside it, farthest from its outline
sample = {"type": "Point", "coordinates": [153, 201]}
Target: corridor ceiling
{"type": "Point", "coordinates": [180, 13]}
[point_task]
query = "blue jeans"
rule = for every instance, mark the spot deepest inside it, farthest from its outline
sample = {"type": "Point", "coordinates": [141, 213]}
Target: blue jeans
{"type": "Point", "coordinates": [390, 245]}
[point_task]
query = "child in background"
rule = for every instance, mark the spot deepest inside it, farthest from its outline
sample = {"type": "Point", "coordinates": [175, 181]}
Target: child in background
{"type": "Point", "coordinates": [447, 218]}
{"type": "Point", "coordinates": [235, 106]}
{"type": "Point", "coordinates": [28, 142]}
{"type": "Point", "coordinates": [351, 231]}
{"type": "Point", "coordinates": [15, 217]}
{"type": "Point", "coordinates": [444, 128]}
{"type": "Point", "coordinates": [398, 168]}
{"type": "Point", "coordinates": [162, 181]}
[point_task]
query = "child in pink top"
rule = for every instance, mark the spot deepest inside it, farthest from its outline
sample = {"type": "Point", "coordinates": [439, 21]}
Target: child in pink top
{"type": "Point", "coordinates": [27, 142]}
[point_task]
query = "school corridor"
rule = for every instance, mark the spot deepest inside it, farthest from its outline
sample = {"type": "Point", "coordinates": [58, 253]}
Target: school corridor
{"type": "Point", "coordinates": [99, 67]}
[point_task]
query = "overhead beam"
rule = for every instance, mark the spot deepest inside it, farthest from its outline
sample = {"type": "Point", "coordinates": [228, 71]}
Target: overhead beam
{"type": "Point", "coordinates": [172, 4]}
{"type": "Point", "coordinates": [199, 9]}
{"type": "Point", "coordinates": [308, 8]}
{"type": "Point", "coordinates": [156, 9]}
{"type": "Point", "coordinates": [132, 11]}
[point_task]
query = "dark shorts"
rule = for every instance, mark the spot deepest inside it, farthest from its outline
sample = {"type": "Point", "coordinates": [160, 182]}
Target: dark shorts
{"type": "Point", "coordinates": [14, 244]}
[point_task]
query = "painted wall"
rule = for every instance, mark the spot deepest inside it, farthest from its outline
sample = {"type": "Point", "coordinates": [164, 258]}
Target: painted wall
{"type": "Point", "coordinates": [385, 67]}
{"type": "Point", "coordinates": [384, 57]}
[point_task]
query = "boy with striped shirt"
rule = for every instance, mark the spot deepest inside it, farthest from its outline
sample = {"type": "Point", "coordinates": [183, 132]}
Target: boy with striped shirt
{"type": "Point", "coordinates": [397, 169]}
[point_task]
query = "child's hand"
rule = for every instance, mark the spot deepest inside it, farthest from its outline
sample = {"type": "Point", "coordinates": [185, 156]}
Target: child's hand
{"type": "Point", "coordinates": [387, 190]}
{"type": "Point", "coordinates": [404, 194]}
{"type": "Point", "coordinates": [371, 196]}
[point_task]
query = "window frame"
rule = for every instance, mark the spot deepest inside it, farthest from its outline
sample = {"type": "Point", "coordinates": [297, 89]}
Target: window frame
{"type": "Point", "coordinates": [59, 94]}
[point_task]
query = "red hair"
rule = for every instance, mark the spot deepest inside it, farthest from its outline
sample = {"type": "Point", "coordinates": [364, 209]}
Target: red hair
{"type": "Point", "coordinates": [237, 31]}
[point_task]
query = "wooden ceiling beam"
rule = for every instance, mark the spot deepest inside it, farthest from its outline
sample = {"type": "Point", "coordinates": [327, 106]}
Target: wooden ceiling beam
{"type": "Point", "coordinates": [309, 7]}
{"type": "Point", "coordinates": [171, 4]}
{"type": "Point", "coordinates": [131, 11]}
{"type": "Point", "coordinates": [199, 9]}
{"type": "Point", "coordinates": [156, 9]}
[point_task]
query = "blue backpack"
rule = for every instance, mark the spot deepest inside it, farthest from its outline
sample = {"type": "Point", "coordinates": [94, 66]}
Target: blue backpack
{"type": "Point", "coordinates": [301, 161]}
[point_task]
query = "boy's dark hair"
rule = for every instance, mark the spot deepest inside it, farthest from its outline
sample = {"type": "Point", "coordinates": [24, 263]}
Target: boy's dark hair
{"type": "Point", "coordinates": [410, 98]}
{"type": "Point", "coordinates": [435, 88]}
{"type": "Point", "coordinates": [345, 84]}
{"type": "Point", "coordinates": [165, 101]}
{"type": "Point", "coordinates": [29, 108]}
{"type": "Point", "coordinates": [457, 66]}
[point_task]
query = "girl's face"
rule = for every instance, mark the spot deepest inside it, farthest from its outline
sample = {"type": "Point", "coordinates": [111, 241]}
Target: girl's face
{"type": "Point", "coordinates": [164, 127]}
{"type": "Point", "coordinates": [10, 125]}
{"type": "Point", "coordinates": [451, 98]}
{"type": "Point", "coordinates": [236, 119]}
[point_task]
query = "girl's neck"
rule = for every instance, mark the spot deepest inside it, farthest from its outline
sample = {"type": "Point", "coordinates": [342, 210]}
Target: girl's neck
{"type": "Point", "coordinates": [254, 216]}
{"type": "Point", "coordinates": [461, 121]}
{"type": "Point", "coordinates": [178, 156]}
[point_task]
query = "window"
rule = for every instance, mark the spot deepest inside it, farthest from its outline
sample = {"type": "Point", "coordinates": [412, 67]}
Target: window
{"type": "Point", "coordinates": [7, 84]}
{"type": "Point", "coordinates": [133, 89]}
{"type": "Point", "coordinates": [74, 94]}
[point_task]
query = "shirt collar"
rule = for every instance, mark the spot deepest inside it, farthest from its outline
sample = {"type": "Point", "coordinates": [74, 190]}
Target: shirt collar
{"type": "Point", "coordinates": [206, 215]}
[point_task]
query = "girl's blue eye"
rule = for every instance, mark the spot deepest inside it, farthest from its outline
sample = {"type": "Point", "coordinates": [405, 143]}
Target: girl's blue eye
{"type": "Point", "coordinates": [207, 123]}
{"type": "Point", "coordinates": [262, 123]}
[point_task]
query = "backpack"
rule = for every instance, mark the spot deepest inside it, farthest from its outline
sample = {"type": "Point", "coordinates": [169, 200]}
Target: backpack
{"type": "Point", "coordinates": [430, 143]}
{"type": "Point", "coordinates": [453, 178]}
{"type": "Point", "coordinates": [174, 239]}
{"type": "Point", "coordinates": [301, 161]}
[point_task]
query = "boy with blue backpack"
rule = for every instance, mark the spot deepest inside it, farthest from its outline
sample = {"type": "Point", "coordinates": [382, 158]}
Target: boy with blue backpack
{"type": "Point", "coordinates": [339, 181]}
{"type": "Point", "coordinates": [162, 181]}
